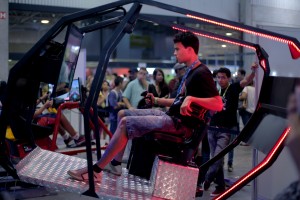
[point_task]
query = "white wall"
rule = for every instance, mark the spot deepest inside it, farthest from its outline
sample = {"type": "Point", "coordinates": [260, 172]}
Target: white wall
{"type": "Point", "coordinates": [4, 39]}
{"type": "Point", "coordinates": [280, 17]}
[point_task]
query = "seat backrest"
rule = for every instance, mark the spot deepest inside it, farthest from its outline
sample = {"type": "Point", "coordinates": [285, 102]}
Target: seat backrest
{"type": "Point", "coordinates": [37, 130]}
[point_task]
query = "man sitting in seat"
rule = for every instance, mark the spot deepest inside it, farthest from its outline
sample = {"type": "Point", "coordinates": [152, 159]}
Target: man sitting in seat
{"type": "Point", "coordinates": [198, 88]}
{"type": "Point", "coordinates": [45, 116]}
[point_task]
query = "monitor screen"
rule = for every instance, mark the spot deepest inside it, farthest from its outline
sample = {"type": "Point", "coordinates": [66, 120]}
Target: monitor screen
{"type": "Point", "coordinates": [69, 62]}
{"type": "Point", "coordinates": [75, 92]}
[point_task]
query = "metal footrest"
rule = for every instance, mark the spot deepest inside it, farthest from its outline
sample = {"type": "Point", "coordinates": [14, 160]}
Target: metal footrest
{"type": "Point", "coordinates": [49, 169]}
{"type": "Point", "coordinates": [173, 181]}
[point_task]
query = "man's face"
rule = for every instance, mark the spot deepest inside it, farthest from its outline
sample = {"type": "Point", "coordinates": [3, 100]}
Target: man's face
{"type": "Point", "coordinates": [180, 72]}
{"type": "Point", "coordinates": [239, 76]}
{"type": "Point", "coordinates": [141, 75]}
{"type": "Point", "coordinates": [132, 75]}
{"type": "Point", "coordinates": [223, 80]}
{"type": "Point", "coordinates": [182, 54]}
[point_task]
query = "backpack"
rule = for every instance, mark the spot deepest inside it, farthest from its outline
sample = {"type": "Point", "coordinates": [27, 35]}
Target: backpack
{"type": "Point", "coordinates": [107, 104]}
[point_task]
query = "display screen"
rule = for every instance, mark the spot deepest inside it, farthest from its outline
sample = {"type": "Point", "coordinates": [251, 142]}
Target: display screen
{"type": "Point", "coordinates": [72, 49]}
{"type": "Point", "coordinates": [75, 92]}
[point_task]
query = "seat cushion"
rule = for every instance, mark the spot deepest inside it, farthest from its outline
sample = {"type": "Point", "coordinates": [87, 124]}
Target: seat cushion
{"type": "Point", "coordinates": [168, 137]}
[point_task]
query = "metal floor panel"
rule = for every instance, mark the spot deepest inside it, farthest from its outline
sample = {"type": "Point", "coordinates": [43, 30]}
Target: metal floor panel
{"type": "Point", "coordinates": [49, 169]}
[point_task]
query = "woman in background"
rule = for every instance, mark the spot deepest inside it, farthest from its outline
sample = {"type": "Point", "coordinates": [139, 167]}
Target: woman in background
{"type": "Point", "coordinates": [159, 88]}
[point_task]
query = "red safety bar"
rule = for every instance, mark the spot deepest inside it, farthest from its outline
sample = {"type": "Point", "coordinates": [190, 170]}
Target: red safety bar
{"type": "Point", "coordinates": [72, 105]}
{"type": "Point", "coordinates": [266, 163]}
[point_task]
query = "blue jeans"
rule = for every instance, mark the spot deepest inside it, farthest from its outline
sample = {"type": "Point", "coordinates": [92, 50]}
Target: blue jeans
{"type": "Point", "coordinates": [113, 126]}
{"type": "Point", "coordinates": [231, 153]}
{"type": "Point", "coordinates": [245, 115]}
{"type": "Point", "coordinates": [217, 142]}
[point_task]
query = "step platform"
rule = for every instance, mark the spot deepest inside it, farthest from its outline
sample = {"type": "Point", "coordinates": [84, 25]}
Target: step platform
{"type": "Point", "coordinates": [168, 180]}
{"type": "Point", "coordinates": [49, 169]}
{"type": "Point", "coordinates": [173, 181]}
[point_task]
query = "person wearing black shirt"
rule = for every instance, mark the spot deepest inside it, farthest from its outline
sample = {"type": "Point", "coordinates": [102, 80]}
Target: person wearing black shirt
{"type": "Point", "coordinates": [197, 87]}
{"type": "Point", "coordinates": [225, 119]}
{"type": "Point", "coordinates": [159, 88]}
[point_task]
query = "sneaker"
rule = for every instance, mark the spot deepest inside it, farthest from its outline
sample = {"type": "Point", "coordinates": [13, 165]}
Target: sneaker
{"type": "Point", "coordinates": [230, 168]}
{"type": "Point", "coordinates": [82, 174]}
{"type": "Point", "coordinates": [80, 141]}
{"type": "Point", "coordinates": [116, 170]}
{"type": "Point", "coordinates": [199, 191]}
{"type": "Point", "coordinates": [206, 185]}
{"type": "Point", "coordinates": [70, 142]}
{"type": "Point", "coordinates": [217, 192]}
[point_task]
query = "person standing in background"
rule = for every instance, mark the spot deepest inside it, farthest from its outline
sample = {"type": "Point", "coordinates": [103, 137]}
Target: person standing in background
{"type": "Point", "coordinates": [132, 93]}
{"type": "Point", "coordinates": [115, 103]}
{"type": "Point", "coordinates": [175, 82]}
{"type": "Point", "coordinates": [159, 88]}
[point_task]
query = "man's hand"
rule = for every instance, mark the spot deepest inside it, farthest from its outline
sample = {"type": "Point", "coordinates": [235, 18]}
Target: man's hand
{"type": "Point", "coordinates": [48, 104]}
{"type": "Point", "coordinates": [254, 66]}
{"type": "Point", "coordinates": [149, 97]}
{"type": "Point", "coordinates": [185, 108]}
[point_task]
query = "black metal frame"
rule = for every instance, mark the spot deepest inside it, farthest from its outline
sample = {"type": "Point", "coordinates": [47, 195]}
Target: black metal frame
{"type": "Point", "coordinates": [126, 23]}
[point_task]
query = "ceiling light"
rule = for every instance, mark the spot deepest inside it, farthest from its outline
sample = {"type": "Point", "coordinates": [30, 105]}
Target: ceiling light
{"type": "Point", "coordinates": [45, 21]}
{"type": "Point", "coordinates": [224, 45]}
{"type": "Point", "coordinates": [155, 24]}
{"type": "Point", "coordinates": [229, 34]}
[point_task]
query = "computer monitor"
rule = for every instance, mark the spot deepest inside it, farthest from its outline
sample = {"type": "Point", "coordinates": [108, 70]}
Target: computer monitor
{"type": "Point", "coordinates": [69, 62]}
{"type": "Point", "coordinates": [75, 91]}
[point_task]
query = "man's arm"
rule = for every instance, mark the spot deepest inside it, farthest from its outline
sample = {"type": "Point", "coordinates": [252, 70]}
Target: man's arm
{"type": "Point", "coordinates": [250, 77]}
{"type": "Point", "coordinates": [163, 101]}
{"type": "Point", "coordinates": [127, 103]}
{"type": "Point", "coordinates": [213, 103]}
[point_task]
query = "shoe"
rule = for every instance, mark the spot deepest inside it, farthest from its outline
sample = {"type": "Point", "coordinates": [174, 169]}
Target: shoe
{"type": "Point", "coordinates": [217, 192]}
{"type": "Point", "coordinates": [116, 170]}
{"type": "Point", "coordinates": [230, 168]}
{"type": "Point", "coordinates": [199, 191]}
{"type": "Point", "coordinates": [82, 174]}
{"type": "Point", "coordinates": [206, 185]}
{"type": "Point", "coordinates": [70, 142]}
{"type": "Point", "coordinates": [80, 141]}
{"type": "Point", "coordinates": [244, 144]}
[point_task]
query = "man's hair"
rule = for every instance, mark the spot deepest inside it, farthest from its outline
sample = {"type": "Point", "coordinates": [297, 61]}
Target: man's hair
{"type": "Point", "coordinates": [143, 68]}
{"type": "Point", "coordinates": [215, 72]}
{"type": "Point", "coordinates": [187, 39]}
{"type": "Point", "coordinates": [118, 80]}
{"type": "Point", "coordinates": [242, 71]}
{"type": "Point", "coordinates": [225, 71]}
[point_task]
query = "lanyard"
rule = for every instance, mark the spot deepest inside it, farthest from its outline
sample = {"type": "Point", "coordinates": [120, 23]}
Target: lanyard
{"type": "Point", "coordinates": [225, 91]}
{"type": "Point", "coordinates": [185, 76]}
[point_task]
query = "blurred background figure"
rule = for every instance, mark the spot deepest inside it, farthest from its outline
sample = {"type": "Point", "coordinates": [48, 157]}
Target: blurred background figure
{"type": "Point", "coordinates": [175, 82]}
{"type": "Point", "coordinates": [159, 88]}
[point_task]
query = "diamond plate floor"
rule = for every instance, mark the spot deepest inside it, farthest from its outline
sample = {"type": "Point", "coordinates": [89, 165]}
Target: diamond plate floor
{"type": "Point", "coordinates": [242, 164]}
{"type": "Point", "coordinates": [49, 169]}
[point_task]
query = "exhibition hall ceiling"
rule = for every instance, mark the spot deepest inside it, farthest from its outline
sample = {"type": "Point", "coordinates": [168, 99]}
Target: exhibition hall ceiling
{"type": "Point", "coordinates": [27, 27]}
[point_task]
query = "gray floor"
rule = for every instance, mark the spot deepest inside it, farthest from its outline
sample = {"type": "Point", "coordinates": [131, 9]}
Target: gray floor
{"type": "Point", "coordinates": [242, 164]}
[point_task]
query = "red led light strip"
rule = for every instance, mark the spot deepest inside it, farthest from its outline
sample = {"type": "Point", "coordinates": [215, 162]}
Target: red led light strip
{"type": "Point", "coordinates": [244, 30]}
{"type": "Point", "coordinates": [261, 165]}
{"type": "Point", "coordinates": [263, 64]}
{"type": "Point", "coordinates": [215, 38]}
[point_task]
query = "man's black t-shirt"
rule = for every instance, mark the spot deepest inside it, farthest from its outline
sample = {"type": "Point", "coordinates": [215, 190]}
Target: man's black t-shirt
{"type": "Point", "coordinates": [227, 117]}
{"type": "Point", "coordinates": [199, 83]}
